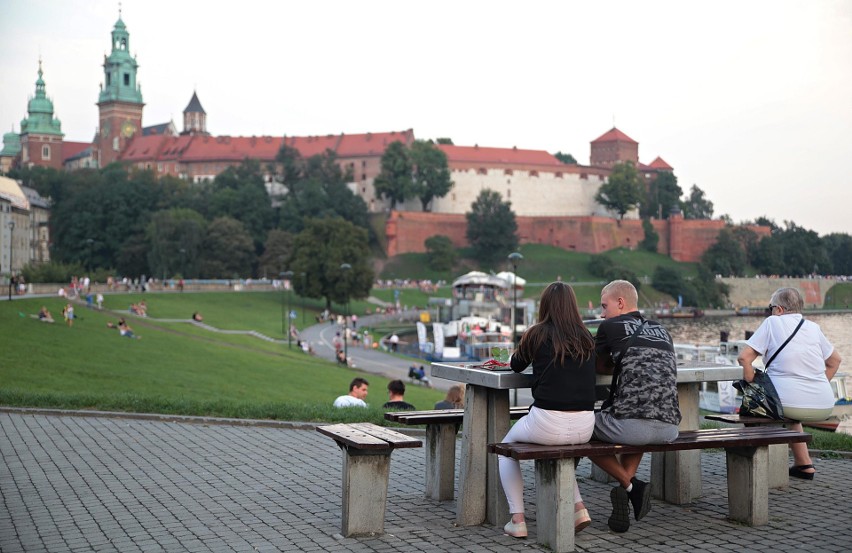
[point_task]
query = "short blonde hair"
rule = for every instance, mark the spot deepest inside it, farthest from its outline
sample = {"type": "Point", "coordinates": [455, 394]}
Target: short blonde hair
{"type": "Point", "coordinates": [622, 289]}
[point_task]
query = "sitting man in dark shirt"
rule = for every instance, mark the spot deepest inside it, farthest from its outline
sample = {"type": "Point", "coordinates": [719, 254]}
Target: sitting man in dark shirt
{"type": "Point", "coordinates": [396, 397]}
{"type": "Point", "coordinates": [643, 404]}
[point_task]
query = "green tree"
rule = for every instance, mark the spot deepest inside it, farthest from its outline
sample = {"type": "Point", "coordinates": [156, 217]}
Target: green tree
{"type": "Point", "coordinates": [567, 159]}
{"type": "Point", "coordinates": [663, 196]}
{"type": "Point", "coordinates": [747, 240]}
{"type": "Point", "coordinates": [697, 206]}
{"type": "Point", "coordinates": [316, 188]}
{"type": "Point", "coordinates": [726, 256]}
{"type": "Point", "coordinates": [804, 252]}
{"type": "Point", "coordinates": [321, 249]}
{"type": "Point", "coordinates": [768, 256]}
{"type": "Point", "coordinates": [240, 193]}
{"type": "Point", "coordinates": [276, 253]}
{"type": "Point", "coordinates": [599, 265]}
{"type": "Point", "coordinates": [228, 250]}
{"type": "Point", "coordinates": [491, 227]}
{"type": "Point", "coordinates": [670, 281]}
{"type": "Point", "coordinates": [652, 239]}
{"type": "Point", "coordinates": [430, 176]}
{"type": "Point", "coordinates": [622, 192]}
{"type": "Point", "coordinates": [838, 247]}
{"type": "Point", "coordinates": [448, 141]}
{"type": "Point", "coordinates": [394, 180]}
{"type": "Point", "coordinates": [168, 232]}
{"type": "Point", "coordinates": [440, 252]}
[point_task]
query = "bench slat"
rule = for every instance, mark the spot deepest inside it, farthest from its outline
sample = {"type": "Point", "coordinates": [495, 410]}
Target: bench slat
{"type": "Point", "coordinates": [745, 419]}
{"type": "Point", "coordinates": [441, 416]}
{"type": "Point", "coordinates": [395, 439]}
{"type": "Point", "coordinates": [348, 435]}
{"type": "Point", "coordinates": [689, 439]}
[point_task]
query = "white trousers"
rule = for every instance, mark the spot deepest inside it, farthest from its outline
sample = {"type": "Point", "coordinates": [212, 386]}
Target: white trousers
{"type": "Point", "coordinates": [544, 427]}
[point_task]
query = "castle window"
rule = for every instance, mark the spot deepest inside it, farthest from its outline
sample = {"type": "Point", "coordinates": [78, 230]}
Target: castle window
{"type": "Point", "coordinates": [364, 164]}
{"type": "Point", "coordinates": [115, 143]}
{"type": "Point", "coordinates": [123, 44]}
{"type": "Point", "coordinates": [533, 173]}
{"type": "Point", "coordinates": [109, 78]}
{"type": "Point", "coordinates": [482, 171]}
{"type": "Point", "coordinates": [45, 152]}
{"type": "Point", "coordinates": [363, 176]}
{"type": "Point", "coordinates": [558, 175]}
{"type": "Point", "coordinates": [508, 172]}
{"type": "Point", "coordinates": [584, 176]}
{"type": "Point", "coordinates": [508, 192]}
{"type": "Point", "coordinates": [454, 196]}
{"type": "Point", "coordinates": [127, 79]}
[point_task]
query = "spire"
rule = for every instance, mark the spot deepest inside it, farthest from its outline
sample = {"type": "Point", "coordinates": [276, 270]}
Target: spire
{"type": "Point", "coordinates": [40, 110]}
{"type": "Point", "coordinates": [194, 117]}
{"type": "Point", "coordinates": [120, 68]}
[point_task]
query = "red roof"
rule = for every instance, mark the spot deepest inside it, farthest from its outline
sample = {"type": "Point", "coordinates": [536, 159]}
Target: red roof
{"type": "Point", "coordinates": [71, 149]}
{"type": "Point", "coordinates": [371, 144]}
{"type": "Point", "coordinates": [501, 156]}
{"type": "Point", "coordinates": [231, 148]}
{"type": "Point", "coordinates": [614, 135]}
{"type": "Point", "coordinates": [660, 163]}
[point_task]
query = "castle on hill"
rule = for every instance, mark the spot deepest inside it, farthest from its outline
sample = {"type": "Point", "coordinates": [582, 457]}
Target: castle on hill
{"type": "Point", "coordinates": [554, 201]}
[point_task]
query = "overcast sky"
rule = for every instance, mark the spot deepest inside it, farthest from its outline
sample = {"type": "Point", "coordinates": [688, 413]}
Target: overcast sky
{"type": "Point", "coordinates": [750, 100]}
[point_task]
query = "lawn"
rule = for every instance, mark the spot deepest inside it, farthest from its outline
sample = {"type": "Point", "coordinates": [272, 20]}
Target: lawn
{"type": "Point", "coordinates": [173, 369]}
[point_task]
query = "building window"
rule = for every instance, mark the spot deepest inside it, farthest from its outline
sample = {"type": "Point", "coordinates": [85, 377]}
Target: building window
{"type": "Point", "coordinates": [584, 176]}
{"type": "Point", "coordinates": [558, 175]}
{"type": "Point", "coordinates": [363, 176]}
{"type": "Point", "coordinates": [508, 172]}
{"type": "Point", "coordinates": [45, 152]}
{"type": "Point", "coordinates": [508, 192]}
{"type": "Point", "coordinates": [363, 190]}
{"type": "Point", "coordinates": [364, 164]}
{"type": "Point", "coordinates": [533, 173]}
{"type": "Point", "coordinates": [482, 171]}
{"type": "Point", "coordinates": [127, 79]}
{"type": "Point", "coordinates": [159, 167]}
{"type": "Point", "coordinates": [109, 78]}
{"type": "Point", "coordinates": [115, 143]}
{"type": "Point", "coordinates": [454, 196]}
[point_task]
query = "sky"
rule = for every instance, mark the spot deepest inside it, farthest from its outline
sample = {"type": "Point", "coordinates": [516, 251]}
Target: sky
{"type": "Point", "coordinates": [750, 100]}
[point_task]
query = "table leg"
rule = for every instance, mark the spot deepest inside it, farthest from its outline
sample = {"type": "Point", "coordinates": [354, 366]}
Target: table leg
{"type": "Point", "coordinates": [470, 507]}
{"type": "Point", "coordinates": [676, 476]}
{"type": "Point", "coordinates": [497, 507]}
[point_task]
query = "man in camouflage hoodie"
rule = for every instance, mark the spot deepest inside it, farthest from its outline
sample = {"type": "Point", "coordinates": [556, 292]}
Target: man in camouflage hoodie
{"type": "Point", "coordinates": [643, 405]}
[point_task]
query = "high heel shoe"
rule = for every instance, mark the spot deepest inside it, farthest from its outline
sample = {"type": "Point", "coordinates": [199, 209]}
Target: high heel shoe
{"type": "Point", "coordinates": [518, 530]}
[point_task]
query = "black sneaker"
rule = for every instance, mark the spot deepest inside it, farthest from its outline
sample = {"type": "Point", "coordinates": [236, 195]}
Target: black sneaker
{"type": "Point", "coordinates": [619, 520]}
{"type": "Point", "coordinates": [640, 497]}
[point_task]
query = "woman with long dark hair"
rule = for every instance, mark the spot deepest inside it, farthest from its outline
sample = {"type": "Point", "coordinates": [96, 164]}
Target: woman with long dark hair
{"type": "Point", "coordinates": [562, 353]}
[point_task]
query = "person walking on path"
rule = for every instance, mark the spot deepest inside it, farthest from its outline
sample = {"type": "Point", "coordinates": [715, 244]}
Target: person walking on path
{"type": "Point", "coordinates": [643, 404]}
{"type": "Point", "coordinates": [562, 353]}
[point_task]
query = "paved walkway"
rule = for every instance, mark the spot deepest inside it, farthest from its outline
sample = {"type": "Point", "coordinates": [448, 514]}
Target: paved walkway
{"type": "Point", "coordinates": [73, 483]}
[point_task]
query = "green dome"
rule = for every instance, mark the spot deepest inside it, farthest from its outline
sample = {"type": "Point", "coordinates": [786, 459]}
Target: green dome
{"type": "Point", "coordinates": [40, 109]}
{"type": "Point", "coordinates": [11, 144]}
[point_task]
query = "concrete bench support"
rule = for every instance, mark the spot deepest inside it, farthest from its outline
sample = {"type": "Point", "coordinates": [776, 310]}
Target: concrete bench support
{"type": "Point", "coordinates": [440, 461]}
{"type": "Point", "coordinates": [748, 485]}
{"type": "Point", "coordinates": [554, 481]}
{"type": "Point", "coordinates": [366, 474]}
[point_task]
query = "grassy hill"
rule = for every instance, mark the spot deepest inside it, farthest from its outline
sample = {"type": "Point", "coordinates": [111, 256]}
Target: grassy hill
{"type": "Point", "coordinates": [175, 367]}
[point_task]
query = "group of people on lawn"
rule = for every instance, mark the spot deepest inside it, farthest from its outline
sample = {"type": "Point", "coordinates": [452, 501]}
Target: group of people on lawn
{"type": "Point", "coordinates": [642, 404]}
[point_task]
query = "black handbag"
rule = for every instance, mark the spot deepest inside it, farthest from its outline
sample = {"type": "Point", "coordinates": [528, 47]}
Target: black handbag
{"type": "Point", "coordinates": [760, 399]}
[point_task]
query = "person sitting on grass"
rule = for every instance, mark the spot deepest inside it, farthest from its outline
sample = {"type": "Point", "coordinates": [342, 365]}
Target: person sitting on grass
{"type": "Point", "coordinates": [358, 390]}
{"type": "Point", "coordinates": [125, 330]}
{"type": "Point", "coordinates": [196, 316]}
{"type": "Point", "coordinates": [396, 397]}
{"type": "Point", "coordinates": [44, 315]}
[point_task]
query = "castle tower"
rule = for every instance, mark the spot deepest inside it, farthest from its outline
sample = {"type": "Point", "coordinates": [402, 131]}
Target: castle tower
{"type": "Point", "coordinates": [194, 117]}
{"type": "Point", "coordinates": [613, 147]}
{"type": "Point", "coordinates": [120, 101]}
{"type": "Point", "coordinates": [41, 132]}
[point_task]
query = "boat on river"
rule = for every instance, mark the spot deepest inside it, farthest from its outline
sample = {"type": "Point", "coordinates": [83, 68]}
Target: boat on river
{"type": "Point", "coordinates": [679, 313]}
{"type": "Point", "coordinates": [752, 312]}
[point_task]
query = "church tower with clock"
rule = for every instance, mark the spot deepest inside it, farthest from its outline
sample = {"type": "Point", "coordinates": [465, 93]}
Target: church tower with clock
{"type": "Point", "coordinates": [120, 101]}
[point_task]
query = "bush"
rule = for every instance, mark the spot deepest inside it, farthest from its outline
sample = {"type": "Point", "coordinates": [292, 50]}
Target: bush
{"type": "Point", "coordinates": [622, 273]}
{"type": "Point", "coordinates": [440, 252]}
{"type": "Point", "coordinates": [52, 272]}
{"type": "Point", "coordinates": [600, 265]}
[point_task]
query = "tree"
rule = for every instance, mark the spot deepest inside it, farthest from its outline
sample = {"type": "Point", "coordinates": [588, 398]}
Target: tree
{"type": "Point", "coordinates": [440, 252]}
{"type": "Point", "coordinates": [316, 188]}
{"type": "Point", "coordinates": [768, 256]}
{"type": "Point", "coordinates": [839, 249]}
{"type": "Point", "coordinates": [240, 192]}
{"type": "Point", "coordinates": [448, 141]}
{"type": "Point", "coordinates": [276, 253]}
{"type": "Point", "coordinates": [394, 180]}
{"type": "Point", "coordinates": [567, 159]}
{"type": "Point", "coordinates": [600, 264]}
{"type": "Point", "coordinates": [228, 250]}
{"type": "Point", "coordinates": [430, 177]}
{"type": "Point", "coordinates": [663, 196]}
{"type": "Point", "coordinates": [168, 232]}
{"type": "Point", "coordinates": [697, 206]}
{"type": "Point", "coordinates": [491, 227]}
{"type": "Point", "coordinates": [321, 249]}
{"type": "Point", "coordinates": [726, 256]}
{"type": "Point", "coordinates": [804, 252]}
{"type": "Point", "coordinates": [652, 239]}
{"type": "Point", "coordinates": [622, 192]}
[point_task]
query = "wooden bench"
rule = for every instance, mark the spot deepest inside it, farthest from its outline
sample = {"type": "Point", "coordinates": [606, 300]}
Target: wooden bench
{"type": "Point", "coordinates": [745, 448]}
{"type": "Point", "coordinates": [366, 470]}
{"type": "Point", "coordinates": [441, 429]}
{"type": "Point", "coordinates": [778, 453]}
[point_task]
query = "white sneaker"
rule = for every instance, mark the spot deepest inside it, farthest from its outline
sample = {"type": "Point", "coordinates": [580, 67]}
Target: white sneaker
{"type": "Point", "coordinates": [518, 530]}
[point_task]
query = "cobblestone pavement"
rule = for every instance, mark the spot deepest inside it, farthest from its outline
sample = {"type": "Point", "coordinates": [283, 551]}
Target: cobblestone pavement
{"type": "Point", "coordinates": [73, 483]}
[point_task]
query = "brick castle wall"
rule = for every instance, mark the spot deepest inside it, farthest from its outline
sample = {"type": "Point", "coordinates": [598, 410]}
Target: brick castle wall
{"type": "Point", "coordinates": [682, 239]}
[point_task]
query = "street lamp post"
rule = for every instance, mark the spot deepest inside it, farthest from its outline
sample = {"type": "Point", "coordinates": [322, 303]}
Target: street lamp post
{"type": "Point", "coordinates": [11, 253]}
{"type": "Point", "coordinates": [345, 268]}
{"type": "Point", "coordinates": [286, 276]}
{"type": "Point", "coordinates": [515, 258]}
{"type": "Point", "coordinates": [304, 288]}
